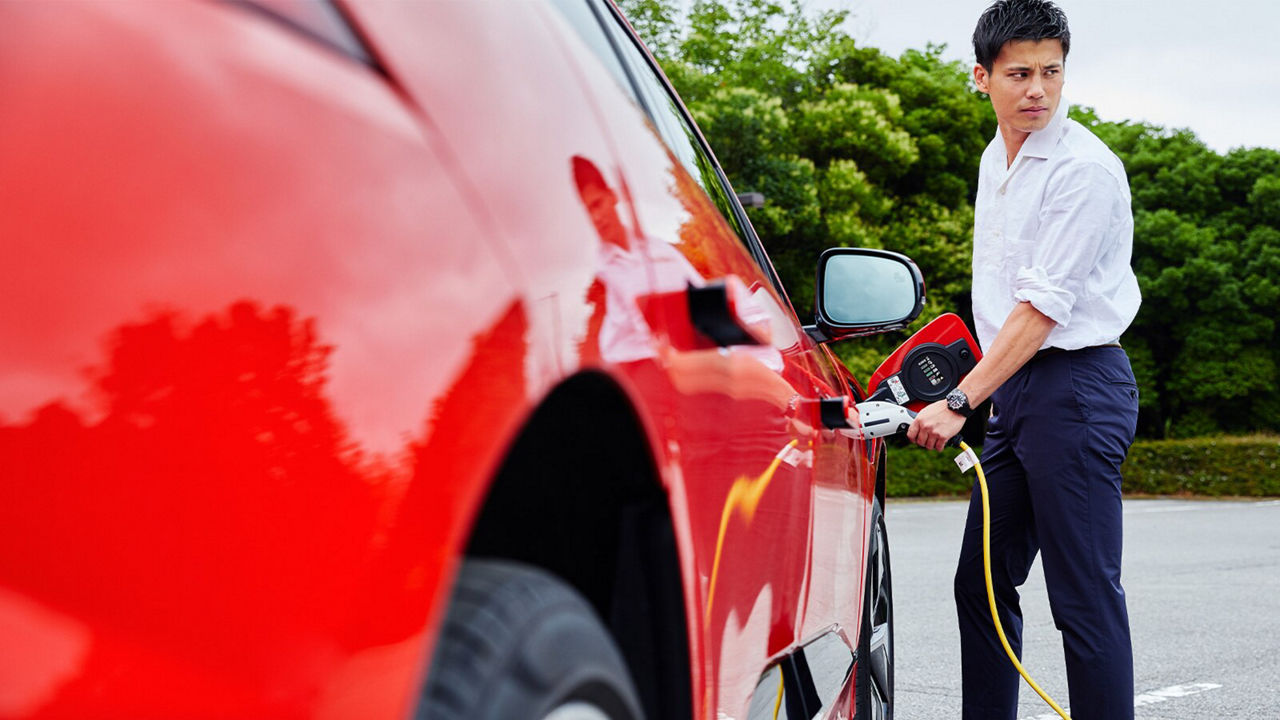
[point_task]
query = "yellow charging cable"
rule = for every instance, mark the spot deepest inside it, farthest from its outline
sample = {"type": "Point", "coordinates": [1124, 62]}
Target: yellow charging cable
{"type": "Point", "coordinates": [991, 594]}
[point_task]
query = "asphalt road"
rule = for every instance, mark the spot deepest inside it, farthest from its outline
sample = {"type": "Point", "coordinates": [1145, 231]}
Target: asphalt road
{"type": "Point", "coordinates": [1203, 586]}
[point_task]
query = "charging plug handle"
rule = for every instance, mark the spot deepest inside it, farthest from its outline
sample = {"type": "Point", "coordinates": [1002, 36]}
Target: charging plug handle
{"type": "Point", "coordinates": [880, 419]}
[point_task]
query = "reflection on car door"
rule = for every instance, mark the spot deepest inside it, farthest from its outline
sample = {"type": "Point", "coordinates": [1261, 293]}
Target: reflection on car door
{"type": "Point", "coordinates": [743, 442]}
{"type": "Point", "coordinates": [742, 428]}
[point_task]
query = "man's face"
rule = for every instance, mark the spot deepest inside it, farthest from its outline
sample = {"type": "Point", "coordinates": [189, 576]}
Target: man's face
{"type": "Point", "coordinates": [1025, 83]}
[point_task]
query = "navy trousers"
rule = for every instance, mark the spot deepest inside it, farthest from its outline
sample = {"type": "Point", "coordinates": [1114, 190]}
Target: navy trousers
{"type": "Point", "coordinates": [1061, 428]}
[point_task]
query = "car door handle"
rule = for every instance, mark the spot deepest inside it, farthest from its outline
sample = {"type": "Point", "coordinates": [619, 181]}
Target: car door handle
{"type": "Point", "coordinates": [724, 312]}
{"type": "Point", "coordinates": [834, 412]}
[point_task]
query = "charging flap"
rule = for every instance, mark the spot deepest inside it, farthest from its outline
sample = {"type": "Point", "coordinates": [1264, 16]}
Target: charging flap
{"type": "Point", "coordinates": [928, 365]}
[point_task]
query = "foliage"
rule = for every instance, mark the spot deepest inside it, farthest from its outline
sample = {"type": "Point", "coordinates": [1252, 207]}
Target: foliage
{"type": "Point", "coordinates": [852, 147]}
{"type": "Point", "coordinates": [1243, 466]}
{"type": "Point", "coordinates": [849, 146]}
{"type": "Point", "coordinates": [1207, 256]}
{"type": "Point", "coordinates": [1225, 466]}
{"type": "Point", "coordinates": [916, 472]}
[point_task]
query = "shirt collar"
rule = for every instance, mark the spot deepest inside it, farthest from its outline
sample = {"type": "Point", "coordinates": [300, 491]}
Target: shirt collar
{"type": "Point", "coordinates": [1042, 142]}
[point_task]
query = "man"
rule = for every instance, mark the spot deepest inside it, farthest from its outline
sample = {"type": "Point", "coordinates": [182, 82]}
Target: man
{"type": "Point", "coordinates": [1052, 293]}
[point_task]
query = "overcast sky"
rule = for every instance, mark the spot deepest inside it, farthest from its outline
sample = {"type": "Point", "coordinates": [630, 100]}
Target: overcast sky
{"type": "Point", "coordinates": [1212, 66]}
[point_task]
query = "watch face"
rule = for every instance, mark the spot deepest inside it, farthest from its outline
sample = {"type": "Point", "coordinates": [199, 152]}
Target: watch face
{"type": "Point", "coordinates": [956, 399]}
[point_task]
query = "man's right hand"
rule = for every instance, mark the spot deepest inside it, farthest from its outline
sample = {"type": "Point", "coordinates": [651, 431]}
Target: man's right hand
{"type": "Point", "coordinates": [935, 425]}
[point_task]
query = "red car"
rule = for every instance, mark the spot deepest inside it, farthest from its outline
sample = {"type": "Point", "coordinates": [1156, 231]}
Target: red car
{"type": "Point", "coordinates": [411, 359]}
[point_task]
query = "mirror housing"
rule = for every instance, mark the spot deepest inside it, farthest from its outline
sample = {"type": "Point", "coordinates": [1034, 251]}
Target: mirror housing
{"type": "Point", "coordinates": [862, 291]}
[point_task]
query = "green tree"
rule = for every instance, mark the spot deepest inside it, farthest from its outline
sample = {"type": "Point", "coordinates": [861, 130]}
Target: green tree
{"type": "Point", "coordinates": [849, 146]}
{"type": "Point", "coordinates": [853, 147]}
{"type": "Point", "coordinates": [1206, 251]}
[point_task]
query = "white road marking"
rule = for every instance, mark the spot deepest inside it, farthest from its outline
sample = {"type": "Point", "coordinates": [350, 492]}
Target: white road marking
{"type": "Point", "coordinates": [1158, 509]}
{"type": "Point", "coordinates": [1174, 691]}
{"type": "Point", "coordinates": [1151, 697]}
{"type": "Point", "coordinates": [1193, 506]}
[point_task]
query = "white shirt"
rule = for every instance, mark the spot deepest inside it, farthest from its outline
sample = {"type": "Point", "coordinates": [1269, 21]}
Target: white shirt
{"type": "Point", "coordinates": [1055, 229]}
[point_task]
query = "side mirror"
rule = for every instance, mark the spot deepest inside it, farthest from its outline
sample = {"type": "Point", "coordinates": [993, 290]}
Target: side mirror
{"type": "Point", "coordinates": [865, 292]}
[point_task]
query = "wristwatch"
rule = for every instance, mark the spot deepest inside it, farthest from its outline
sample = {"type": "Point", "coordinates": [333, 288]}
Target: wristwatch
{"type": "Point", "coordinates": [957, 401]}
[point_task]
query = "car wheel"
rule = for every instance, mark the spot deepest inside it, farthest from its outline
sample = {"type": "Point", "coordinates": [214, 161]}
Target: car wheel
{"type": "Point", "coordinates": [519, 642]}
{"type": "Point", "coordinates": [874, 693]}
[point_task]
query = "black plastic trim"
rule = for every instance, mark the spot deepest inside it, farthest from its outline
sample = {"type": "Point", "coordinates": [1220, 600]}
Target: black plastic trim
{"type": "Point", "coordinates": [834, 412]}
{"type": "Point", "coordinates": [710, 313]}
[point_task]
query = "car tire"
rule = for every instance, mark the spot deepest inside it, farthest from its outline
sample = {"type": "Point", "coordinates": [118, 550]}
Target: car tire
{"type": "Point", "coordinates": [519, 642]}
{"type": "Point", "coordinates": [874, 675]}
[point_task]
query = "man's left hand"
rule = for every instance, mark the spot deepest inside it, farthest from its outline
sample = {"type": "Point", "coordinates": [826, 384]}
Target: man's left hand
{"type": "Point", "coordinates": [935, 425]}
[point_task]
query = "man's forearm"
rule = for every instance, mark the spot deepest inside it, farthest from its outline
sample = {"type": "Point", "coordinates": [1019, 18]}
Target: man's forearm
{"type": "Point", "coordinates": [1019, 338]}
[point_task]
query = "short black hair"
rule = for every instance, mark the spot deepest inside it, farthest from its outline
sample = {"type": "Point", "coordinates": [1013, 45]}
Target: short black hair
{"type": "Point", "coordinates": [1009, 20]}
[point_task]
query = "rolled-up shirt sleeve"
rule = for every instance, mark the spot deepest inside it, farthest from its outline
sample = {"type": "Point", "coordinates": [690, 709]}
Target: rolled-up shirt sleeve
{"type": "Point", "coordinates": [1074, 223]}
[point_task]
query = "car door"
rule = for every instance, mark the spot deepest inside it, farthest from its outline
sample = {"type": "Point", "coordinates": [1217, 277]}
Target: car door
{"type": "Point", "coordinates": [771, 493]}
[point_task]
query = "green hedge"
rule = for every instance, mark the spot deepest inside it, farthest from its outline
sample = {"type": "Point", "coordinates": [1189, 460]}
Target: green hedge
{"type": "Point", "coordinates": [916, 472]}
{"type": "Point", "coordinates": [1216, 466]}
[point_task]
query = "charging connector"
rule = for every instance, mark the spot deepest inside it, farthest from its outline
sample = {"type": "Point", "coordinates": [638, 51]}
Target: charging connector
{"type": "Point", "coordinates": [878, 419]}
